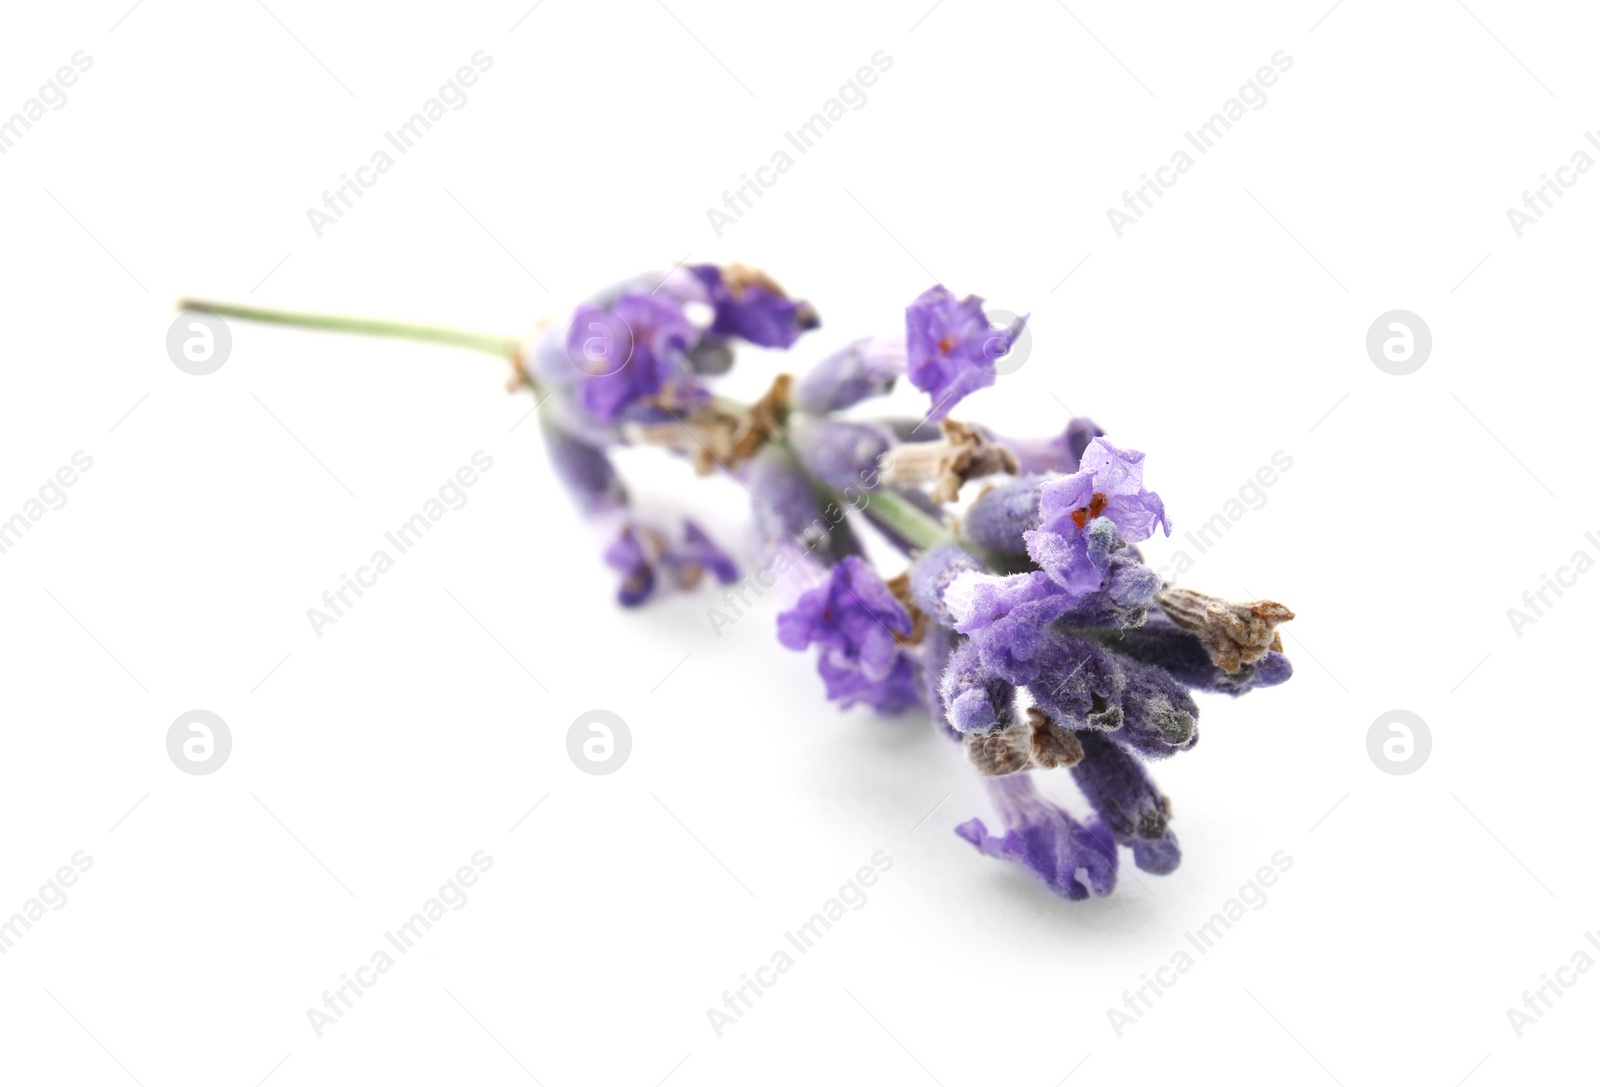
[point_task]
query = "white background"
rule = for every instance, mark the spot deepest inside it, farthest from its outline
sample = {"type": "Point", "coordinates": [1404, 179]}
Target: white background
{"type": "Point", "coordinates": [370, 763]}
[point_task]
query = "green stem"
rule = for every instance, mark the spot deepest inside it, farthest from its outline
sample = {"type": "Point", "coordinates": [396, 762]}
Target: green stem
{"type": "Point", "coordinates": [505, 347]}
{"type": "Point", "coordinates": [896, 513]}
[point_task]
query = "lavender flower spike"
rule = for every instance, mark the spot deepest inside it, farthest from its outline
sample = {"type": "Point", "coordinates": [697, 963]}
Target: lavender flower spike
{"type": "Point", "coordinates": [1029, 624]}
{"type": "Point", "coordinates": [951, 348]}
{"type": "Point", "coordinates": [1075, 861]}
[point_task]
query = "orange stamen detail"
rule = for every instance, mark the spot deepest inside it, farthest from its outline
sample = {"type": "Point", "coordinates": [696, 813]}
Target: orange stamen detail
{"type": "Point", "coordinates": [1084, 514]}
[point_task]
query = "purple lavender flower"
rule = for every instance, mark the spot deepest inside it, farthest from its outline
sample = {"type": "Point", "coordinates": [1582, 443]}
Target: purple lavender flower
{"type": "Point", "coordinates": [789, 513]}
{"type": "Point", "coordinates": [1000, 516]}
{"type": "Point", "coordinates": [866, 368]}
{"type": "Point", "coordinates": [1079, 683]}
{"type": "Point", "coordinates": [1179, 653]}
{"type": "Point", "coordinates": [697, 556]}
{"type": "Point", "coordinates": [1007, 617]}
{"type": "Point", "coordinates": [1074, 860]}
{"type": "Point", "coordinates": [1128, 802]}
{"type": "Point", "coordinates": [857, 622]}
{"type": "Point", "coordinates": [975, 697]}
{"type": "Point", "coordinates": [749, 305]}
{"type": "Point", "coordinates": [1158, 715]}
{"type": "Point", "coordinates": [1123, 601]}
{"type": "Point", "coordinates": [844, 455]}
{"type": "Point", "coordinates": [640, 552]}
{"type": "Point", "coordinates": [951, 348]}
{"type": "Point", "coordinates": [585, 471]}
{"type": "Point", "coordinates": [1083, 516]}
{"type": "Point", "coordinates": [629, 353]}
{"type": "Point", "coordinates": [630, 554]}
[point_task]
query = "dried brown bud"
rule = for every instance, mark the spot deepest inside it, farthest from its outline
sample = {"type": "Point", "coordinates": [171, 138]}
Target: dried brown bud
{"type": "Point", "coordinates": [963, 453]}
{"type": "Point", "coordinates": [996, 754]}
{"type": "Point", "coordinates": [1233, 634]}
{"type": "Point", "coordinates": [713, 437]}
{"type": "Point", "coordinates": [1053, 745]}
{"type": "Point", "coordinates": [765, 419]}
{"type": "Point", "coordinates": [900, 586]}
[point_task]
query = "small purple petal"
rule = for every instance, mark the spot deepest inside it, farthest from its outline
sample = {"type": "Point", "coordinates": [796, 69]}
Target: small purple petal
{"type": "Point", "coordinates": [951, 348]}
{"type": "Point", "coordinates": [698, 555]}
{"type": "Point", "coordinates": [754, 311]}
{"type": "Point", "coordinates": [1007, 618]}
{"type": "Point", "coordinates": [1083, 517]}
{"type": "Point", "coordinates": [1074, 861]}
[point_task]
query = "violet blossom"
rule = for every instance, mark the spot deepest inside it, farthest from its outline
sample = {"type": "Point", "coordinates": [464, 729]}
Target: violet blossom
{"type": "Point", "coordinates": [951, 348]}
{"type": "Point", "coordinates": [1074, 860]}
{"type": "Point", "coordinates": [1082, 516]}
{"type": "Point", "coordinates": [857, 624]}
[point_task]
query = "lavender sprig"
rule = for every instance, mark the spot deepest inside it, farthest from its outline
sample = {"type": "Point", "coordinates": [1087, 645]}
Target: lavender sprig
{"type": "Point", "coordinates": [1030, 627]}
